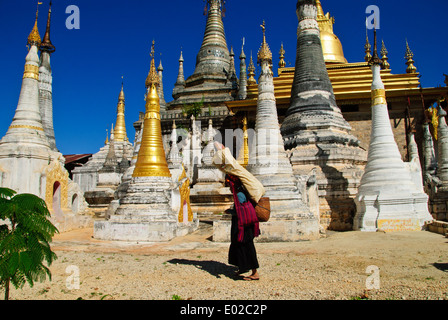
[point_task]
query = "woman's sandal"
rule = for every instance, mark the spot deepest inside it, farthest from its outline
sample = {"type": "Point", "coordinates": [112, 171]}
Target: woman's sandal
{"type": "Point", "coordinates": [250, 278]}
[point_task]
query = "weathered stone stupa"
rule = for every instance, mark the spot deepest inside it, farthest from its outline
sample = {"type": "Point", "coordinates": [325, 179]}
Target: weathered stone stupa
{"type": "Point", "coordinates": [388, 199]}
{"type": "Point", "coordinates": [148, 211]}
{"type": "Point", "coordinates": [45, 85]}
{"type": "Point", "coordinates": [436, 169]}
{"type": "Point", "coordinates": [211, 78]}
{"type": "Point", "coordinates": [290, 220]}
{"type": "Point", "coordinates": [314, 130]}
{"type": "Point", "coordinates": [29, 163]}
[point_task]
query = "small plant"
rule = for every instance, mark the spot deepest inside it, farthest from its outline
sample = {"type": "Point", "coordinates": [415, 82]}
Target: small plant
{"type": "Point", "coordinates": [194, 109]}
{"type": "Point", "coordinates": [176, 297]}
{"type": "Point", "coordinates": [24, 240]}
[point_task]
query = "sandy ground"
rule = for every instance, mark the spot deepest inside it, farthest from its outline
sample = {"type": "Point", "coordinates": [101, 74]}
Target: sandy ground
{"type": "Point", "coordinates": [412, 265]}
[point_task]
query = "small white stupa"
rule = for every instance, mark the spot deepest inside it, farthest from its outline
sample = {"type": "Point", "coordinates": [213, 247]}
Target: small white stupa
{"type": "Point", "coordinates": [388, 198]}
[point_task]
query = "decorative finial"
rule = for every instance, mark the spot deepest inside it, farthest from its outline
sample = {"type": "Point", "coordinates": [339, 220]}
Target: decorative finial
{"type": "Point", "coordinates": [264, 53]}
{"type": "Point", "coordinates": [375, 58]}
{"type": "Point", "coordinates": [152, 49]}
{"type": "Point", "coordinates": [107, 137]}
{"type": "Point", "coordinates": [121, 96]}
{"type": "Point", "coordinates": [251, 80]}
{"type": "Point", "coordinates": [243, 55]}
{"type": "Point", "coordinates": [367, 48]}
{"type": "Point", "coordinates": [46, 45]}
{"type": "Point", "coordinates": [215, 4]}
{"type": "Point", "coordinates": [34, 37]}
{"type": "Point", "coordinates": [385, 65]}
{"type": "Point", "coordinates": [153, 77]}
{"type": "Point", "coordinates": [282, 62]}
{"type": "Point", "coordinates": [320, 11]}
{"type": "Point", "coordinates": [409, 60]}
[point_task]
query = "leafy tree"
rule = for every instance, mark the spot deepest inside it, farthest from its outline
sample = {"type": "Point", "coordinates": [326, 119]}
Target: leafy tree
{"type": "Point", "coordinates": [25, 236]}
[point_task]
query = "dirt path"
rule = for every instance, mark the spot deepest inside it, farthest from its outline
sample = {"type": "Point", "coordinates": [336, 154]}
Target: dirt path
{"type": "Point", "coordinates": [410, 265]}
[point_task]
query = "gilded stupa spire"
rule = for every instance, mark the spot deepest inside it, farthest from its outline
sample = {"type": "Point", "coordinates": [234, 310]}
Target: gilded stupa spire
{"type": "Point", "coordinates": [409, 60]}
{"type": "Point", "coordinates": [368, 49]}
{"type": "Point", "coordinates": [320, 10]}
{"type": "Point", "coordinates": [106, 142]}
{"type": "Point", "coordinates": [151, 161]}
{"type": "Point", "coordinates": [34, 38]}
{"type": "Point", "coordinates": [153, 77]}
{"type": "Point", "coordinates": [264, 54]}
{"type": "Point", "coordinates": [120, 125]}
{"type": "Point", "coordinates": [46, 44]}
{"type": "Point", "coordinates": [251, 72]}
{"type": "Point", "coordinates": [385, 65]}
{"type": "Point", "coordinates": [282, 62]}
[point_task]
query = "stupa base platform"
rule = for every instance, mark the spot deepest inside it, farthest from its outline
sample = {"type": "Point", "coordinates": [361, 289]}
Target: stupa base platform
{"type": "Point", "coordinates": [120, 228]}
{"type": "Point", "coordinates": [391, 213]}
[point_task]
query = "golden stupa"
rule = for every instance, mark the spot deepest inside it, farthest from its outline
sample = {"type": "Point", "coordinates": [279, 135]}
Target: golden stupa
{"type": "Point", "coordinates": [34, 37]}
{"type": "Point", "coordinates": [120, 125]}
{"type": "Point", "coordinates": [331, 45]}
{"type": "Point", "coordinates": [151, 161]}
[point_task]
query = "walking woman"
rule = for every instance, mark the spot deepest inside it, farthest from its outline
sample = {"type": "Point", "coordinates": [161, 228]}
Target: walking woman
{"type": "Point", "coordinates": [245, 227]}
